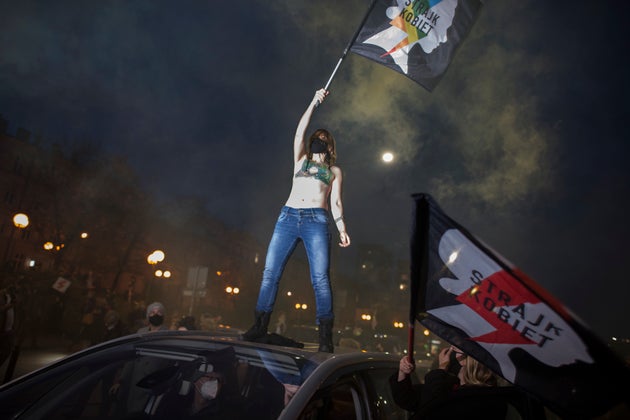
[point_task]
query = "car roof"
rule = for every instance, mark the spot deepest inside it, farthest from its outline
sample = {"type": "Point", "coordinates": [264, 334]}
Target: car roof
{"type": "Point", "coordinates": [187, 345]}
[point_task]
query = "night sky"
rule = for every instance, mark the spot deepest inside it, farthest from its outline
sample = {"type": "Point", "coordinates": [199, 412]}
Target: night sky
{"type": "Point", "coordinates": [524, 141]}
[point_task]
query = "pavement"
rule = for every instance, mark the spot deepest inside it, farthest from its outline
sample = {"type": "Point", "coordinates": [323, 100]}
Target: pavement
{"type": "Point", "coordinates": [30, 358]}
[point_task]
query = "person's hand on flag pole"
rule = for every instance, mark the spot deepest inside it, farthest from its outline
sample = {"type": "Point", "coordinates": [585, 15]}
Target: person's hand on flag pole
{"type": "Point", "coordinates": [405, 368]}
{"type": "Point", "coordinates": [319, 97]}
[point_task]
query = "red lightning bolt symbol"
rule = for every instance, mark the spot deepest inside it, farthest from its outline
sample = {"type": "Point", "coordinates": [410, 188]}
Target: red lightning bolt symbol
{"type": "Point", "coordinates": [485, 300]}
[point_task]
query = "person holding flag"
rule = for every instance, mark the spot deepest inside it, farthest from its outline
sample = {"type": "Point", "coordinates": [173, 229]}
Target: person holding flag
{"type": "Point", "coordinates": [460, 387]}
{"type": "Point", "coordinates": [317, 181]}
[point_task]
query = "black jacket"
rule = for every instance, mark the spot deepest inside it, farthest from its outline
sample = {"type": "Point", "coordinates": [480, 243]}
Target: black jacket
{"type": "Point", "coordinates": [441, 397]}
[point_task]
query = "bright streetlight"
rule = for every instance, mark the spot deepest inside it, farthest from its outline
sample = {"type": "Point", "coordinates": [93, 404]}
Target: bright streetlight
{"type": "Point", "coordinates": [20, 220]}
{"type": "Point", "coordinates": [162, 273]}
{"type": "Point", "coordinates": [388, 157]}
{"type": "Point", "coordinates": [232, 290]}
{"type": "Point", "coordinates": [155, 257]}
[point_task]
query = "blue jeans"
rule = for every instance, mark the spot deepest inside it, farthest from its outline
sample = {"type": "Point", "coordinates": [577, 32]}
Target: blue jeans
{"type": "Point", "coordinates": [310, 226]}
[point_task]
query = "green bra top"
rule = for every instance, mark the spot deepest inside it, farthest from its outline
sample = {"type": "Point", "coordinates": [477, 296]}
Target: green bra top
{"type": "Point", "coordinates": [315, 170]}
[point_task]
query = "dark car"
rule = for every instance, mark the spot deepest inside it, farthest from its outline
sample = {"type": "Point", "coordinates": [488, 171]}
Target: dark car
{"type": "Point", "coordinates": [193, 374]}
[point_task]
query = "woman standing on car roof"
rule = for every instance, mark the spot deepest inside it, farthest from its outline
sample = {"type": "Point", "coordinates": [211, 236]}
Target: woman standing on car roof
{"type": "Point", "coordinates": [304, 217]}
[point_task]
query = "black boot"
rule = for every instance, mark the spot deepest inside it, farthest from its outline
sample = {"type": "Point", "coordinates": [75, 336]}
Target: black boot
{"type": "Point", "coordinates": [325, 335]}
{"type": "Point", "coordinates": [259, 329]}
{"type": "Point", "coordinates": [280, 340]}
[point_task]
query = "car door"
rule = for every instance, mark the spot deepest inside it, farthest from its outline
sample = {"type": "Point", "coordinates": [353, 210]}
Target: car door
{"type": "Point", "coordinates": [360, 391]}
{"type": "Point", "coordinates": [379, 394]}
{"type": "Point", "coordinates": [344, 399]}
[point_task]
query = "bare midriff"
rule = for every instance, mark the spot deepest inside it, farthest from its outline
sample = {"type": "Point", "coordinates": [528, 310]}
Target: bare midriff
{"type": "Point", "coordinates": [308, 193]}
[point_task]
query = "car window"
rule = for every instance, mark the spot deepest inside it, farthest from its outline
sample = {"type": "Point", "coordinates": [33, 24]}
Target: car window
{"type": "Point", "coordinates": [245, 383]}
{"type": "Point", "coordinates": [339, 401]}
{"type": "Point", "coordinates": [381, 397]}
{"type": "Point", "coordinates": [26, 394]}
{"type": "Point", "coordinates": [137, 383]}
{"type": "Point", "coordinates": [220, 381]}
{"type": "Point", "coordinates": [80, 395]}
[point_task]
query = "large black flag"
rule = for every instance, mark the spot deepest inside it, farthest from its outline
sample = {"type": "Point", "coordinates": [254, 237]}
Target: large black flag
{"type": "Point", "coordinates": [470, 296]}
{"type": "Point", "coordinates": [417, 38]}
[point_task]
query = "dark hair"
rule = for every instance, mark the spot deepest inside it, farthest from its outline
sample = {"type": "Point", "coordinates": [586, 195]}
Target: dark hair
{"type": "Point", "coordinates": [187, 322]}
{"type": "Point", "coordinates": [331, 156]}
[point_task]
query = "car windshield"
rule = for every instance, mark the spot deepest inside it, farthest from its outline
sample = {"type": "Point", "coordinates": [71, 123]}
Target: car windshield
{"type": "Point", "coordinates": [221, 381]}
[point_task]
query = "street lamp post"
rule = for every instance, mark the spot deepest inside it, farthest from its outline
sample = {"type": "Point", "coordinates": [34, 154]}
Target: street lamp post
{"type": "Point", "coordinates": [153, 259]}
{"type": "Point", "coordinates": [300, 307]}
{"type": "Point", "coordinates": [232, 292]}
{"type": "Point", "coordinates": [20, 221]}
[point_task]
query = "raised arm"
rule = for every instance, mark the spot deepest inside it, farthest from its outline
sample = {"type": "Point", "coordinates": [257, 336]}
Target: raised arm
{"type": "Point", "coordinates": [336, 207]}
{"type": "Point", "coordinates": [299, 148]}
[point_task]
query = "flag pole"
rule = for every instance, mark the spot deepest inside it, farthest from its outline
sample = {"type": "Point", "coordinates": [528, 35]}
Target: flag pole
{"type": "Point", "coordinates": [354, 38]}
{"type": "Point", "coordinates": [411, 338]}
{"type": "Point", "coordinates": [419, 262]}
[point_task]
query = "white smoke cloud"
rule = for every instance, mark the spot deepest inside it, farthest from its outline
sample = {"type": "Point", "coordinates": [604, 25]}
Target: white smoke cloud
{"type": "Point", "coordinates": [500, 151]}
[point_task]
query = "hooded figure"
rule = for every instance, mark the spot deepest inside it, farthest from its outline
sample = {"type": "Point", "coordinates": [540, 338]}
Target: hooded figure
{"type": "Point", "coordinates": [155, 318]}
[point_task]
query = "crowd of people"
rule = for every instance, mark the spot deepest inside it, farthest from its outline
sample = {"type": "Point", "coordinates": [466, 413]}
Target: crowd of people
{"type": "Point", "coordinates": [30, 316]}
{"type": "Point", "coordinates": [101, 322]}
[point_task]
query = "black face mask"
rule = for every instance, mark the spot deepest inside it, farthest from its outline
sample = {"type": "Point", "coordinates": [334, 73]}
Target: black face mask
{"type": "Point", "coordinates": [319, 146]}
{"type": "Point", "coordinates": [156, 320]}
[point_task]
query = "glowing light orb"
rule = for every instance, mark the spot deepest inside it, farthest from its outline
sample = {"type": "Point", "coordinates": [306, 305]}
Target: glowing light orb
{"type": "Point", "coordinates": [387, 157]}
